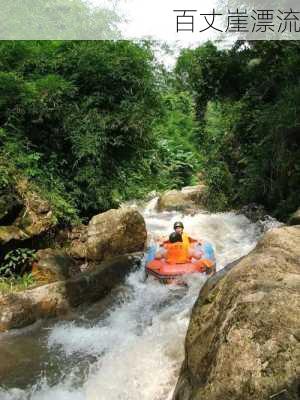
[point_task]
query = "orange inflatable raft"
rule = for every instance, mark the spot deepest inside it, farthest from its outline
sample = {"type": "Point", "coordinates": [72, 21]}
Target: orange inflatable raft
{"type": "Point", "coordinates": [167, 273]}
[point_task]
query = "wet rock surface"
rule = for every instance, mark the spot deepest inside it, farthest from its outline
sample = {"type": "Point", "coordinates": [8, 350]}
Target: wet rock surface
{"type": "Point", "coordinates": [243, 338]}
{"type": "Point", "coordinates": [295, 218]}
{"type": "Point", "coordinates": [77, 238]}
{"type": "Point", "coordinates": [72, 275]}
{"type": "Point", "coordinates": [52, 265]}
{"type": "Point", "coordinates": [114, 232]}
{"type": "Point", "coordinates": [21, 309]}
{"type": "Point", "coordinates": [26, 216]}
{"type": "Point", "coordinates": [187, 199]}
{"type": "Point", "coordinates": [254, 212]}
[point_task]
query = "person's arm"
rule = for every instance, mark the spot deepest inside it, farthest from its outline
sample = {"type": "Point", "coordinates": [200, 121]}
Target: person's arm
{"type": "Point", "coordinates": [160, 253]}
{"type": "Point", "coordinates": [195, 241]}
{"type": "Point", "coordinates": [195, 253]}
{"type": "Point", "coordinates": [161, 240]}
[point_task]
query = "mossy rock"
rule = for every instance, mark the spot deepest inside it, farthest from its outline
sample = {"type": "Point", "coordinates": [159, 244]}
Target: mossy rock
{"type": "Point", "coordinates": [52, 266]}
{"type": "Point", "coordinates": [8, 233]}
{"type": "Point", "coordinates": [10, 207]}
{"type": "Point", "coordinates": [24, 214]}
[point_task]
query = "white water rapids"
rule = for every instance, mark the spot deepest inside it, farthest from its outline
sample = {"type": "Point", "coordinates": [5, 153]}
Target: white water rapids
{"type": "Point", "coordinates": [133, 349]}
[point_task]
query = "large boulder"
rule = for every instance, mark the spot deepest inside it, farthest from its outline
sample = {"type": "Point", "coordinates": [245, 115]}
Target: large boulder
{"type": "Point", "coordinates": [295, 218]}
{"type": "Point", "coordinates": [77, 237]}
{"type": "Point", "coordinates": [115, 232]}
{"type": "Point", "coordinates": [21, 309]}
{"type": "Point", "coordinates": [188, 198]}
{"type": "Point", "coordinates": [243, 341]}
{"type": "Point", "coordinates": [52, 265]}
{"type": "Point", "coordinates": [34, 216]}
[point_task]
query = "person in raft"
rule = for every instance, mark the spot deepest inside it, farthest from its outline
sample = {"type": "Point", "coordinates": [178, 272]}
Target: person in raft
{"type": "Point", "coordinates": [181, 249]}
{"type": "Point", "coordinates": [186, 239]}
{"type": "Point", "coordinates": [188, 242]}
{"type": "Point", "coordinates": [175, 251]}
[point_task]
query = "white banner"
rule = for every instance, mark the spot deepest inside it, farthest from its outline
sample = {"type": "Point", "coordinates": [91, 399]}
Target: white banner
{"type": "Point", "coordinates": [168, 20]}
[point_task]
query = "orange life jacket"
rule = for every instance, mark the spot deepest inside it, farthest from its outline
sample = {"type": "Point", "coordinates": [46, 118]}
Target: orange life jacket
{"type": "Point", "coordinates": [185, 241]}
{"type": "Point", "coordinates": [177, 253]}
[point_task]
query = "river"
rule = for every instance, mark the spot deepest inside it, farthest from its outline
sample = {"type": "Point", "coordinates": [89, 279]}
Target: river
{"type": "Point", "coordinates": [129, 346]}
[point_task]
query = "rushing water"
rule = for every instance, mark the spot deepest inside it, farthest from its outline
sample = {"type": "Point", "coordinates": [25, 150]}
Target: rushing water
{"type": "Point", "coordinates": [129, 346]}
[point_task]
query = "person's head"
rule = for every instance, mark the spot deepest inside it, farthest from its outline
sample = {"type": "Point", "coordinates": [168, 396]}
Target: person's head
{"type": "Point", "coordinates": [175, 237]}
{"type": "Point", "coordinates": [178, 227]}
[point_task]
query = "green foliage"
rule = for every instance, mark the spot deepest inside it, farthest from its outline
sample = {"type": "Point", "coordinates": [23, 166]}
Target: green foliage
{"type": "Point", "coordinates": [4, 177]}
{"type": "Point", "coordinates": [16, 262]}
{"type": "Point", "coordinates": [176, 153]}
{"type": "Point", "coordinates": [17, 160]}
{"type": "Point", "coordinates": [11, 88]}
{"type": "Point", "coordinates": [209, 73]}
{"type": "Point", "coordinates": [248, 101]}
{"type": "Point", "coordinates": [91, 124]}
{"type": "Point", "coordinates": [16, 284]}
{"type": "Point", "coordinates": [80, 114]}
{"type": "Point", "coordinates": [171, 161]}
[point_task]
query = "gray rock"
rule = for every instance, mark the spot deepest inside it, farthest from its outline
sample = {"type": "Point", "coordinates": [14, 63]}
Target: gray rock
{"type": "Point", "coordinates": [115, 232]}
{"type": "Point", "coordinates": [57, 299]}
{"type": "Point", "coordinates": [243, 339]}
{"type": "Point", "coordinates": [52, 265]}
{"type": "Point", "coordinates": [295, 218]}
{"type": "Point", "coordinates": [187, 198]}
{"type": "Point", "coordinates": [34, 219]}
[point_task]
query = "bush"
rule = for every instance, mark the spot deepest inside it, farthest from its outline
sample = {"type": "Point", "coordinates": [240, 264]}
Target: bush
{"type": "Point", "coordinates": [81, 113]}
{"type": "Point", "coordinates": [248, 107]}
{"type": "Point", "coordinates": [17, 262]}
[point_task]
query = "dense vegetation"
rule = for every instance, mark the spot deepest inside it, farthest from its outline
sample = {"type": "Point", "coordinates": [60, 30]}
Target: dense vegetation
{"type": "Point", "coordinates": [91, 124]}
{"type": "Point", "coordinates": [248, 106]}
